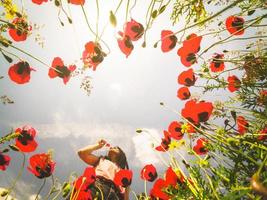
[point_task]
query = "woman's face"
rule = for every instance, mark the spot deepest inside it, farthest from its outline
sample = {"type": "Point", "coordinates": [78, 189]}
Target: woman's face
{"type": "Point", "coordinates": [113, 152]}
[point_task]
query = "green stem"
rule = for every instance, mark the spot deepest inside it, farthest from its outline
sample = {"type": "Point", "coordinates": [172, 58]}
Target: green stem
{"type": "Point", "coordinates": [127, 10]}
{"type": "Point", "coordinates": [97, 20]}
{"type": "Point", "coordinates": [203, 21]}
{"type": "Point", "coordinates": [17, 178]}
{"type": "Point", "coordinates": [39, 191]}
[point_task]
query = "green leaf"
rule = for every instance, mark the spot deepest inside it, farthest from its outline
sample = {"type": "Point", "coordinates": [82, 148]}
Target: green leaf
{"type": "Point", "coordinates": [112, 19]}
{"type": "Point", "coordinates": [66, 189]}
{"type": "Point", "coordinates": [8, 59]}
{"type": "Point", "coordinates": [154, 14]}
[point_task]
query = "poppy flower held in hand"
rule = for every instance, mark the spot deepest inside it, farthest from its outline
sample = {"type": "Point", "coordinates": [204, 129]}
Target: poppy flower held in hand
{"type": "Point", "coordinates": [197, 112]}
{"type": "Point", "coordinates": [187, 78]}
{"type": "Point", "coordinates": [4, 161]}
{"type": "Point", "coordinates": [233, 83]}
{"type": "Point", "coordinates": [235, 25]}
{"type": "Point", "coordinates": [149, 173]}
{"type": "Point", "coordinates": [200, 147]}
{"type": "Point", "coordinates": [125, 44]}
{"type": "Point", "coordinates": [175, 130]}
{"type": "Point", "coordinates": [133, 30]}
{"type": "Point", "coordinates": [41, 165]}
{"type": "Point", "coordinates": [217, 65]}
{"type": "Point", "coordinates": [123, 177]}
{"type": "Point", "coordinates": [25, 141]}
{"type": "Point", "coordinates": [183, 93]}
{"type": "Point", "coordinates": [20, 29]}
{"type": "Point", "coordinates": [242, 125]}
{"type": "Point", "coordinates": [58, 69]}
{"type": "Point", "coordinates": [92, 55]}
{"type": "Point", "coordinates": [164, 146]}
{"type": "Point", "coordinates": [168, 40]}
{"type": "Point", "coordinates": [20, 73]}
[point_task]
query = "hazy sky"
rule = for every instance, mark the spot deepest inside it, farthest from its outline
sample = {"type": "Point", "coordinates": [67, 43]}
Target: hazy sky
{"type": "Point", "coordinates": [125, 95]}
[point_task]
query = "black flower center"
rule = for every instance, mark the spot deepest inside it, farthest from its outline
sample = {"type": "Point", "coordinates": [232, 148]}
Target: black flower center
{"type": "Point", "coordinates": [2, 160]}
{"type": "Point", "coordinates": [238, 23]}
{"type": "Point", "coordinates": [46, 172]}
{"type": "Point", "coordinates": [24, 137]}
{"type": "Point", "coordinates": [63, 71]}
{"type": "Point", "coordinates": [23, 67]}
{"type": "Point", "coordinates": [202, 117]}
{"type": "Point", "coordinates": [125, 182]}
{"type": "Point", "coordinates": [191, 57]}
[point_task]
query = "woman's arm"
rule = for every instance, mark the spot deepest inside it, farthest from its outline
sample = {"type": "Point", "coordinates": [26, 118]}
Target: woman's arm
{"type": "Point", "coordinates": [126, 194]}
{"type": "Point", "coordinates": [86, 153]}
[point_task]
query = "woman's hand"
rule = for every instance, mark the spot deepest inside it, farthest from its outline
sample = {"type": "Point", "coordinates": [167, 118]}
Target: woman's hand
{"type": "Point", "coordinates": [101, 143]}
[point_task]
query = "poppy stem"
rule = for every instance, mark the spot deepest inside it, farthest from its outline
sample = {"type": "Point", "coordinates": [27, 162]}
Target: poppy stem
{"type": "Point", "coordinates": [152, 4]}
{"type": "Point", "coordinates": [97, 20]}
{"type": "Point", "coordinates": [127, 10]}
{"type": "Point", "coordinates": [87, 22]}
{"type": "Point", "coordinates": [130, 11]}
{"type": "Point", "coordinates": [18, 177]}
{"type": "Point", "coordinates": [225, 40]}
{"type": "Point", "coordinates": [133, 193]}
{"type": "Point", "coordinates": [39, 191]}
{"type": "Point", "coordinates": [145, 188]}
{"type": "Point", "coordinates": [102, 196]}
{"type": "Point", "coordinates": [11, 54]}
{"type": "Point", "coordinates": [202, 21]}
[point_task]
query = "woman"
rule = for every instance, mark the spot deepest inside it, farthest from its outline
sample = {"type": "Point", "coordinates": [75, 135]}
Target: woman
{"type": "Point", "coordinates": [105, 169]}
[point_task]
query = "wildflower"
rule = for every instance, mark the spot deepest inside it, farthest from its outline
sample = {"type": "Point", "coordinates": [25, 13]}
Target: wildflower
{"type": "Point", "coordinates": [200, 147]}
{"type": "Point", "coordinates": [58, 69]}
{"type": "Point", "coordinates": [77, 2]}
{"type": "Point", "coordinates": [20, 29]}
{"type": "Point", "coordinates": [187, 78]}
{"type": "Point", "coordinates": [133, 30]}
{"type": "Point", "coordinates": [25, 141]}
{"type": "Point", "coordinates": [168, 40]}
{"type": "Point", "coordinates": [86, 180]}
{"type": "Point", "coordinates": [125, 44]}
{"type": "Point", "coordinates": [41, 165]}
{"type": "Point", "coordinates": [175, 130]}
{"type": "Point", "coordinates": [234, 25]}
{"type": "Point", "coordinates": [20, 73]}
{"type": "Point", "coordinates": [217, 65]}
{"type": "Point", "coordinates": [183, 93]}
{"type": "Point", "coordinates": [233, 83]}
{"type": "Point", "coordinates": [123, 178]}
{"type": "Point", "coordinates": [164, 146]}
{"type": "Point", "coordinates": [157, 190]}
{"type": "Point", "coordinates": [242, 125]}
{"type": "Point", "coordinates": [149, 173]}
{"type": "Point", "coordinates": [4, 161]}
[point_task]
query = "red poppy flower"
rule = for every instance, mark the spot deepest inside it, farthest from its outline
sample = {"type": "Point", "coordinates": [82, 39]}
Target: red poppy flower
{"type": "Point", "coordinates": [164, 146]}
{"type": "Point", "coordinates": [189, 49]}
{"type": "Point", "coordinates": [187, 78]}
{"type": "Point", "coordinates": [39, 2]}
{"type": "Point", "coordinates": [123, 177]}
{"type": "Point", "coordinates": [149, 173]}
{"type": "Point", "coordinates": [87, 179]}
{"type": "Point", "coordinates": [175, 130]}
{"type": "Point", "coordinates": [192, 43]}
{"type": "Point", "coordinates": [172, 178]}
{"type": "Point", "coordinates": [125, 44]}
{"type": "Point", "coordinates": [234, 25]}
{"type": "Point", "coordinates": [157, 190]}
{"type": "Point", "coordinates": [92, 55]}
{"type": "Point", "coordinates": [200, 147]}
{"type": "Point", "coordinates": [58, 69]}
{"type": "Point", "coordinates": [77, 2]}
{"type": "Point", "coordinates": [20, 73]}
{"type": "Point", "coordinates": [41, 165]}
{"type": "Point", "coordinates": [242, 125]}
{"type": "Point", "coordinates": [20, 30]}
{"type": "Point", "coordinates": [233, 83]}
{"type": "Point", "coordinates": [168, 40]}
{"type": "Point", "coordinates": [197, 112]}
{"type": "Point", "coordinates": [4, 161]}
{"type": "Point", "coordinates": [183, 93]}
{"type": "Point", "coordinates": [263, 134]}
{"type": "Point", "coordinates": [134, 30]}
{"type": "Point", "coordinates": [25, 141]}
{"type": "Point", "coordinates": [217, 65]}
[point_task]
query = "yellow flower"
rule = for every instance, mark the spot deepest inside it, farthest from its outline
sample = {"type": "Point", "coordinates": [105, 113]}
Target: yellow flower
{"type": "Point", "coordinates": [185, 128]}
{"type": "Point", "coordinates": [176, 144]}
